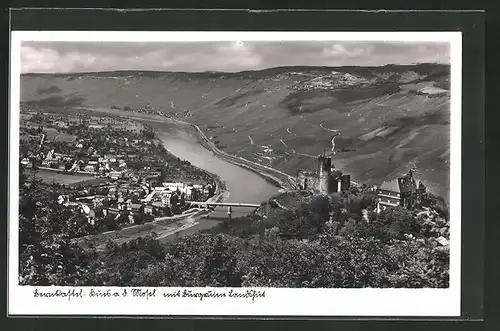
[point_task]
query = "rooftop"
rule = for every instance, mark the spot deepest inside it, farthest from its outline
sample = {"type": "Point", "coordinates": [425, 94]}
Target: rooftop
{"type": "Point", "coordinates": [404, 184]}
{"type": "Point", "coordinates": [392, 186]}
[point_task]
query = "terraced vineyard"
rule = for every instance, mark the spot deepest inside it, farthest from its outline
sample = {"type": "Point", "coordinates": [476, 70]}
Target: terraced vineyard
{"type": "Point", "coordinates": [389, 118]}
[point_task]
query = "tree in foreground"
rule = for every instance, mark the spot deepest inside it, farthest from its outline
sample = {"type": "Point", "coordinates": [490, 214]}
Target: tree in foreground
{"type": "Point", "coordinates": [324, 243]}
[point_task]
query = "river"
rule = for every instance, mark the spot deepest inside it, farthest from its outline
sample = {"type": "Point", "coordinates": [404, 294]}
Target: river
{"type": "Point", "coordinates": [243, 185]}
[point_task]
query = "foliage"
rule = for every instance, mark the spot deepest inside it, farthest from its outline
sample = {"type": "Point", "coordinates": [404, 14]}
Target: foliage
{"type": "Point", "coordinates": [436, 203]}
{"type": "Point", "coordinates": [140, 218]}
{"type": "Point", "coordinates": [46, 254]}
{"type": "Point", "coordinates": [419, 264]}
{"type": "Point", "coordinates": [148, 133]}
{"type": "Point", "coordinates": [223, 260]}
{"type": "Point", "coordinates": [330, 241]}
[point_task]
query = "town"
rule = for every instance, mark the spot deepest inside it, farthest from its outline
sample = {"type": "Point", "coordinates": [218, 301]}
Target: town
{"type": "Point", "coordinates": [113, 171]}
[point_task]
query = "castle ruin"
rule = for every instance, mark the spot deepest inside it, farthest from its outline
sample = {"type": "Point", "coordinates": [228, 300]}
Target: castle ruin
{"type": "Point", "coordinates": [326, 180]}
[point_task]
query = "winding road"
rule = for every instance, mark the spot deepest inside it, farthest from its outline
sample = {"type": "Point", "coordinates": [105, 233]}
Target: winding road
{"type": "Point", "coordinates": [327, 129]}
{"type": "Point", "coordinates": [284, 179]}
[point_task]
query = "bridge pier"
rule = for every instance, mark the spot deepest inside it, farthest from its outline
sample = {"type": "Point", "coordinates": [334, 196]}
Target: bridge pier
{"type": "Point", "coordinates": [229, 220]}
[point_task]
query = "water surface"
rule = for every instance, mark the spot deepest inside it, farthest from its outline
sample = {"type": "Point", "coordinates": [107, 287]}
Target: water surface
{"type": "Point", "coordinates": [244, 186]}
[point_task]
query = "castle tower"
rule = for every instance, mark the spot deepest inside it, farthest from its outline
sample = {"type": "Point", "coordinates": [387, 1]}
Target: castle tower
{"type": "Point", "coordinates": [324, 170]}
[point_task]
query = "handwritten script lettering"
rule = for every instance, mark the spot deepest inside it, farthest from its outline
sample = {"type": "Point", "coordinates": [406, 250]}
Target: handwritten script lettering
{"type": "Point", "coordinates": [248, 294]}
{"type": "Point", "coordinates": [68, 294]}
{"type": "Point", "coordinates": [103, 294]}
{"type": "Point", "coordinates": [202, 295]}
{"type": "Point", "coordinates": [143, 293]}
{"type": "Point", "coordinates": [175, 294]}
{"type": "Point", "coordinates": [148, 293]}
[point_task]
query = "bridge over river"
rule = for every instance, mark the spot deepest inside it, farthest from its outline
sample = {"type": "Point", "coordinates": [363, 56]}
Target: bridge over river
{"type": "Point", "coordinates": [246, 189]}
{"type": "Point", "coordinates": [223, 204]}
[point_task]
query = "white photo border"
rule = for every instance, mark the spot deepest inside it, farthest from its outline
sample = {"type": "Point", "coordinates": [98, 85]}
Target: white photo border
{"type": "Point", "coordinates": [278, 302]}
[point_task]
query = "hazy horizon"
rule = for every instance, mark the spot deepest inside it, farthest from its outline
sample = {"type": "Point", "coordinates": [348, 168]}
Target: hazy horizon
{"type": "Point", "coordinates": [226, 57]}
{"type": "Point", "coordinates": [227, 72]}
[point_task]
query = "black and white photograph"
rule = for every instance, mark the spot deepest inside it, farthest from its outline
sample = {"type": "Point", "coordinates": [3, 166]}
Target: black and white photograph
{"type": "Point", "coordinates": [231, 165]}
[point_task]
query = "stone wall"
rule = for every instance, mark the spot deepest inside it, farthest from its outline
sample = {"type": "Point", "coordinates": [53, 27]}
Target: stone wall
{"type": "Point", "coordinates": [307, 180]}
{"type": "Point", "coordinates": [325, 180]}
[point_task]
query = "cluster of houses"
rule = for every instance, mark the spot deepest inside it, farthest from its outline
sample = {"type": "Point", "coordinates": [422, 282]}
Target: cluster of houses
{"type": "Point", "coordinates": [129, 199]}
{"type": "Point", "coordinates": [113, 164]}
{"type": "Point", "coordinates": [110, 165]}
{"type": "Point", "coordinates": [125, 168]}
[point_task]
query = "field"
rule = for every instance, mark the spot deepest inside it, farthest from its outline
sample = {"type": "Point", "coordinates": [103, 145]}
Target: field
{"type": "Point", "coordinates": [50, 177]}
{"type": "Point", "coordinates": [89, 182]}
{"type": "Point", "coordinates": [54, 135]}
{"type": "Point", "coordinates": [390, 118]}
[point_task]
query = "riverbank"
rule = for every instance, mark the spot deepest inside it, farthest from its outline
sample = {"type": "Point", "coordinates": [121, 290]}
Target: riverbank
{"type": "Point", "coordinates": [162, 227]}
{"type": "Point", "coordinates": [237, 180]}
{"type": "Point", "coordinates": [273, 176]}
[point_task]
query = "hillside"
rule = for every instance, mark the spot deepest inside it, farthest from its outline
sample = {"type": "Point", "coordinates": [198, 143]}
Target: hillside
{"type": "Point", "coordinates": [390, 118]}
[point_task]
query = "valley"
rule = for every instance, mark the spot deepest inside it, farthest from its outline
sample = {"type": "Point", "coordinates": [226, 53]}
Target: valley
{"type": "Point", "coordinates": [389, 118]}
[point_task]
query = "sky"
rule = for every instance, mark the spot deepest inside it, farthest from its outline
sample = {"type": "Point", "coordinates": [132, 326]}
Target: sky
{"type": "Point", "coordinates": [62, 57]}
